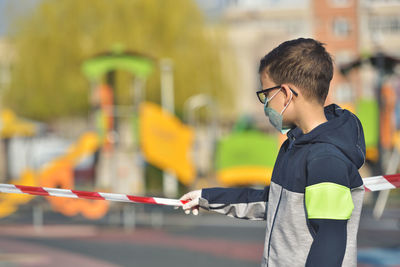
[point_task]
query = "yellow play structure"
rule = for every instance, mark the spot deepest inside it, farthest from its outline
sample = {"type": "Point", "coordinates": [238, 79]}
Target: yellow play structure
{"type": "Point", "coordinates": [57, 173]}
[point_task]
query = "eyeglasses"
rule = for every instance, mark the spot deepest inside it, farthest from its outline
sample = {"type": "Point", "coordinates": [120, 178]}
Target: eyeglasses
{"type": "Point", "coordinates": [263, 94]}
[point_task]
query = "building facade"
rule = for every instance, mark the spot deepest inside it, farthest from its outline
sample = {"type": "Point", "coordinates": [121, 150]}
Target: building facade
{"type": "Point", "coordinates": [349, 28]}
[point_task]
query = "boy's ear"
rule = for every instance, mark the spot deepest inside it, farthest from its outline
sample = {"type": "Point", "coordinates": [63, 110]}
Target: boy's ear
{"type": "Point", "coordinates": [287, 92]}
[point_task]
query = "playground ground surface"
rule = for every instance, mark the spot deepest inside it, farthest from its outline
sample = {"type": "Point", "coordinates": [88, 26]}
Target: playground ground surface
{"type": "Point", "coordinates": [176, 240]}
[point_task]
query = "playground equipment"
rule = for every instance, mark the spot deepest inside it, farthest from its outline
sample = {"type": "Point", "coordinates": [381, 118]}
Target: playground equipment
{"type": "Point", "coordinates": [166, 142]}
{"type": "Point", "coordinates": [379, 119]}
{"type": "Point", "coordinates": [246, 158]}
{"type": "Point", "coordinates": [205, 135]}
{"type": "Point", "coordinates": [59, 173]}
{"type": "Point", "coordinates": [140, 66]}
{"type": "Point", "coordinates": [368, 113]}
{"type": "Point", "coordinates": [11, 126]}
{"type": "Point", "coordinates": [155, 125]}
{"type": "Point", "coordinates": [117, 172]}
{"type": "Point", "coordinates": [106, 64]}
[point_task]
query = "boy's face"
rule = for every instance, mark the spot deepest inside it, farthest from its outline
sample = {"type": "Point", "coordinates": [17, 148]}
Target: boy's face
{"type": "Point", "coordinates": [266, 82]}
{"type": "Point", "coordinates": [283, 96]}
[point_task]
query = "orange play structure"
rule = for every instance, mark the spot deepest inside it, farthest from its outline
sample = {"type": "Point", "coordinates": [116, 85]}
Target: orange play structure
{"type": "Point", "coordinates": [57, 173]}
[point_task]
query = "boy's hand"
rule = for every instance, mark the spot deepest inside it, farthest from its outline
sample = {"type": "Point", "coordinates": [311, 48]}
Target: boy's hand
{"type": "Point", "coordinates": [193, 204]}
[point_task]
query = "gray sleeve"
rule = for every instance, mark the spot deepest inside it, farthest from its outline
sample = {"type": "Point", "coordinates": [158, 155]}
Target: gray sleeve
{"type": "Point", "coordinates": [242, 203]}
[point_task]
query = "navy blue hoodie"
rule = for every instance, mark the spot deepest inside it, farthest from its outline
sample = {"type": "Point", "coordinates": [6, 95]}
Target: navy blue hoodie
{"type": "Point", "coordinates": [313, 204]}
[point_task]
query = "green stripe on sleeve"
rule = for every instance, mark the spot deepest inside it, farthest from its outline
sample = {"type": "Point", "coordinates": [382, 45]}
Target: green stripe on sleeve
{"type": "Point", "coordinates": [328, 201]}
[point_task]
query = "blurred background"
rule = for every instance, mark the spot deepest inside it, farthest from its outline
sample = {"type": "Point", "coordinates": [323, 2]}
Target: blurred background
{"type": "Point", "coordinates": [156, 98]}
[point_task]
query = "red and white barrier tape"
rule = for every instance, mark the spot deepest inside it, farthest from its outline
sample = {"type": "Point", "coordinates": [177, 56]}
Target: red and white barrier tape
{"type": "Point", "coordinates": [375, 183]}
{"type": "Point", "coordinates": [378, 183]}
{"type": "Point", "coordinates": [56, 192]}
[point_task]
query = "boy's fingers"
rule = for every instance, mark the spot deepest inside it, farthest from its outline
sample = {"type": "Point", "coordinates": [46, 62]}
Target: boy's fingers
{"type": "Point", "coordinates": [191, 195]}
{"type": "Point", "coordinates": [191, 204]}
{"type": "Point", "coordinates": [187, 196]}
{"type": "Point", "coordinates": [195, 211]}
{"type": "Point", "coordinates": [192, 199]}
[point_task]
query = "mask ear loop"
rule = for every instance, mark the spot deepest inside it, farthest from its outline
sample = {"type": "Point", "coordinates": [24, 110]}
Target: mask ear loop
{"type": "Point", "coordinates": [291, 96]}
{"type": "Point", "coordinates": [269, 99]}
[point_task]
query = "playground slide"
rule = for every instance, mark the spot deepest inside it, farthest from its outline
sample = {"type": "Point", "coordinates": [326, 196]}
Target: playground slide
{"type": "Point", "coordinates": [59, 173]}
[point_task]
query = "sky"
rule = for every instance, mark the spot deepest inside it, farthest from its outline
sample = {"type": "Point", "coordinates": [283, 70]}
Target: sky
{"type": "Point", "coordinates": [3, 22]}
{"type": "Point", "coordinates": [21, 5]}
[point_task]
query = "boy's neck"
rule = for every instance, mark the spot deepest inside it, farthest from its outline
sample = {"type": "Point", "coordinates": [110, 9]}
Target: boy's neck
{"type": "Point", "coordinates": [310, 117]}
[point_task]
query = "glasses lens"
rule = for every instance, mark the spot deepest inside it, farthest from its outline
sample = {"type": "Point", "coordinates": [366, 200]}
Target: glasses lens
{"type": "Point", "coordinates": [262, 97]}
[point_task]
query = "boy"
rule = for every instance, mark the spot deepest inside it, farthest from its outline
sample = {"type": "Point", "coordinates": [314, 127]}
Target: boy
{"type": "Point", "coordinates": [313, 204]}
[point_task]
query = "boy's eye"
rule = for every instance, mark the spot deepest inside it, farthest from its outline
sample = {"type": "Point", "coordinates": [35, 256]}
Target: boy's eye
{"type": "Point", "coordinates": [266, 94]}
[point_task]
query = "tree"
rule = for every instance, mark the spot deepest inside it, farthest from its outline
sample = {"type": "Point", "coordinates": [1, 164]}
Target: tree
{"type": "Point", "coordinates": [54, 39]}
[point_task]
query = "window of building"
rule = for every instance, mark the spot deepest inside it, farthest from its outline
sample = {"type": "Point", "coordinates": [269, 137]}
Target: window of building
{"type": "Point", "coordinates": [385, 24]}
{"type": "Point", "coordinates": [341, 27]}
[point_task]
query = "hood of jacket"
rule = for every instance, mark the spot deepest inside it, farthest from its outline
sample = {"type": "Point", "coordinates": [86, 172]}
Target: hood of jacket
{"type": "Point", "coordinates": [343, 130]}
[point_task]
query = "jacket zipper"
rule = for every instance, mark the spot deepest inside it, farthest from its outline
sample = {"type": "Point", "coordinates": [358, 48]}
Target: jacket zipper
{"type": "Point", "coordinates": [273, 223]}
{"type": "Point", "coordinates": [280, 197]}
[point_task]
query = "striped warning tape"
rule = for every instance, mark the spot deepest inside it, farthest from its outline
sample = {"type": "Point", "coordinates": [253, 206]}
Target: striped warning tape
{"type": "Point", "coordinates": [384, 182]}
{"type": "Point", "coordinates": [57, 192]}
{"type": "Point", "coordinates": [375, 183]}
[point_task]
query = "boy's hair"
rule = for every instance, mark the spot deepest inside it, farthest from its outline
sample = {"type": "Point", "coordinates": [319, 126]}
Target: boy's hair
{"type": "Point", "coordinates": [302, 62]}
